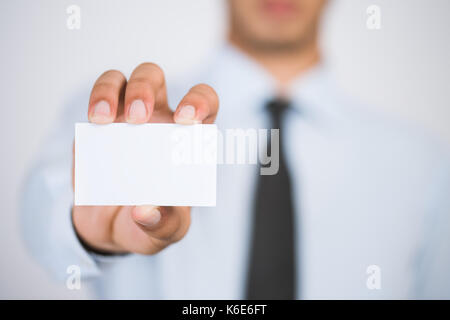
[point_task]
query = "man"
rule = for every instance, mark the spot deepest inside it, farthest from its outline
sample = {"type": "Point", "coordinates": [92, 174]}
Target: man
{"type": "Point", "coordinates": [358, 209]}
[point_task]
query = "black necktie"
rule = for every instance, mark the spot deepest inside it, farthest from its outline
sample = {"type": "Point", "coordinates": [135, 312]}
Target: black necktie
{"type": "Point", "coordinates": [272, 261]}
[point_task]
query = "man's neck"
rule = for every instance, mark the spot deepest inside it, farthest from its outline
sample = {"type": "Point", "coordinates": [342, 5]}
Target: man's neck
{"type": "Point", "coordinates": [283, 65]}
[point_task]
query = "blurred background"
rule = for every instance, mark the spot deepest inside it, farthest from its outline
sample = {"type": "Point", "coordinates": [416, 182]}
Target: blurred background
{"type": "Point", "coordinates": [402, 68]}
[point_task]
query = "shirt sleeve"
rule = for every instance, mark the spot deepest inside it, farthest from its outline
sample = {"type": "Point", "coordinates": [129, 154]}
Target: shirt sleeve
{"type": "Point", "coordinates": [47, 201]}
{"type": "Point", "coordinates": [434, 260]}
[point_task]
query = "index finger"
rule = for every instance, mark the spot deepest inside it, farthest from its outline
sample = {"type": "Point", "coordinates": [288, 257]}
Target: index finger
{"type": "Point", "coordinates": [199, 105]}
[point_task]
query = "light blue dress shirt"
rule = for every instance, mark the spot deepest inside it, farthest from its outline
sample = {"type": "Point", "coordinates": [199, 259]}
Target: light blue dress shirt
{"type": "Point", "coordinates": [368, 190]}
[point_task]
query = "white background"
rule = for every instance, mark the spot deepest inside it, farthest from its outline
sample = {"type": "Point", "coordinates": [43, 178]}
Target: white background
{"type": "Point", "coordinates": [403, 68]}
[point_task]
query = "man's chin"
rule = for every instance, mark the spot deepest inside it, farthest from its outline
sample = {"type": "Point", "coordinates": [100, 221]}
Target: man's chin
{"type": "Point", "coordinates": [275, 44]}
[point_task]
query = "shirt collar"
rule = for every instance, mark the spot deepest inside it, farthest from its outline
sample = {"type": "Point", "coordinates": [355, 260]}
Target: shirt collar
{"type": "Point", "coordinates": [239, 75]}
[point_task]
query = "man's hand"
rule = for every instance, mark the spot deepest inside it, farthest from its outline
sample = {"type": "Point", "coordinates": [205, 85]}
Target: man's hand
{"type": "Point", "coordinates": [142, 229]}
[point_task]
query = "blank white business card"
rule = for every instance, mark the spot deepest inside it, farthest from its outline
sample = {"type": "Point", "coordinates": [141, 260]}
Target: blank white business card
{"type": "Point", "coordinates": [146, 164]}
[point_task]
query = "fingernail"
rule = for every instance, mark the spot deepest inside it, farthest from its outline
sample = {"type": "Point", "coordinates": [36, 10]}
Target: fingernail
{"type": "Point", "coordinates": [138, 112]}
{"type": "Point", "coordinates": [186, 115]}
{"type": "Point", "coordinates": [102, 110]}
{"type": "Point", "coordinates": [148, 215]}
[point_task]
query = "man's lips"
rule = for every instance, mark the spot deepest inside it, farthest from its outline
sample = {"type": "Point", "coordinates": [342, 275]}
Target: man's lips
{"type": "Point", "coordinates": [279, 8]}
